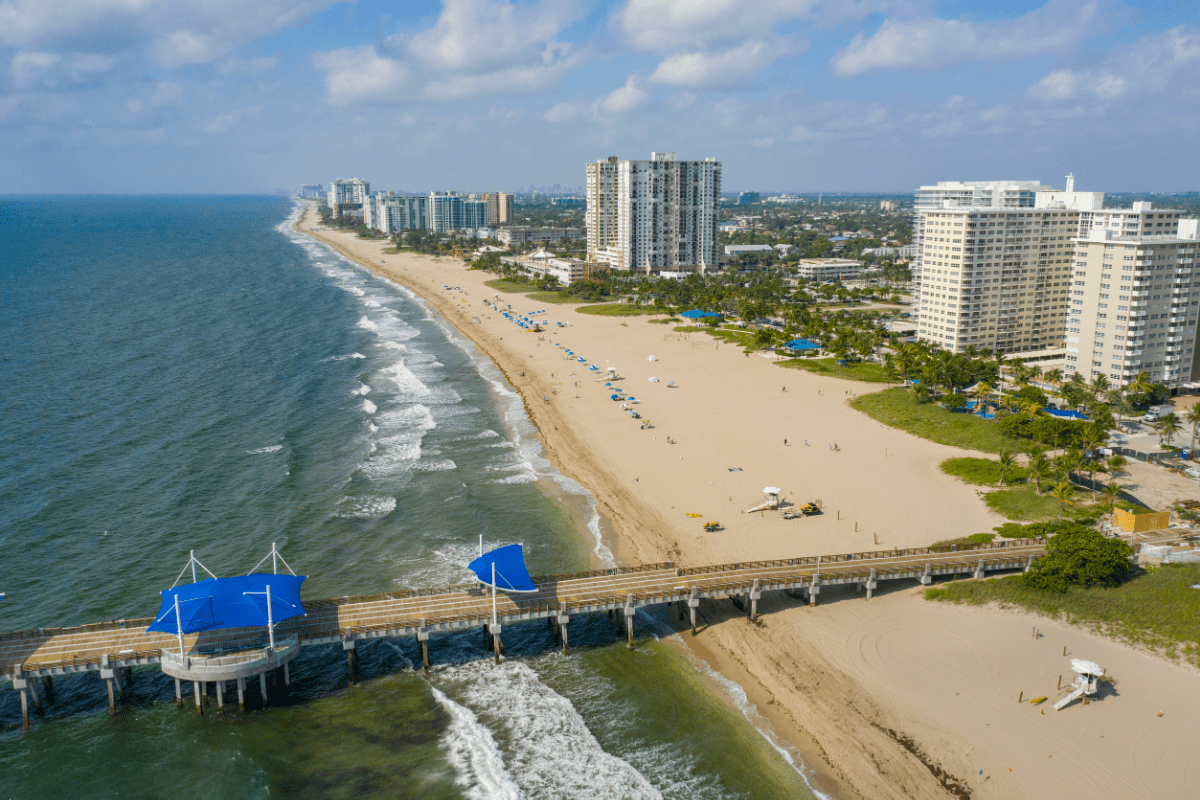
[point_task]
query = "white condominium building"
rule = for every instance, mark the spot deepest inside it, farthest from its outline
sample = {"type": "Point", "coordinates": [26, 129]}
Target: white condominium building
{"type": "Point", "coordinates": [828, 269]}
{"type": "Point", "coordinates": [997, 275]}
{"type": "Point", "coordinates": [347, 195]}
{"type": "Point", "coordinates": [650, 216]}
{"type": "Point", "coordinates": [1135, 296]}
{"type": "Point", "coordinates": [450, 211]}
{"type": "Point", "coordinates": [392, 213]}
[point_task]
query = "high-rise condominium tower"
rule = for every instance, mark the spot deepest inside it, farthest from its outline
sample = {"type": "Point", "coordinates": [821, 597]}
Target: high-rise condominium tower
{"type": "Point", "coordinates": [1133, 305]}
{"type": "Point", "coordinates": [994, 263]}
{"type": "Point", "coordinates": [650, 216]}
{"type": "Point", "coordinates": [499, 208]}
{"type": "Point", "coordinates": [347, 195]}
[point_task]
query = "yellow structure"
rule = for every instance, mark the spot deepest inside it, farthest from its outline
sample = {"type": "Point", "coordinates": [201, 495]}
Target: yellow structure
{"type": "Point", "coordinates": [1140, 523]}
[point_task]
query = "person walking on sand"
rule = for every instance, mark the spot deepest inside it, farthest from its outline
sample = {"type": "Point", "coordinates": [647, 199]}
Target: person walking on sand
{"type": "Point", "coordinates": [785, 442]}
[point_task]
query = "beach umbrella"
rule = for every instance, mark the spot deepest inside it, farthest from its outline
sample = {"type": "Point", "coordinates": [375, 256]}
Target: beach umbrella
{"type": "Point", "coordinates": [615, 397]}
{"type": "Point", "coordinates": [654, 380]}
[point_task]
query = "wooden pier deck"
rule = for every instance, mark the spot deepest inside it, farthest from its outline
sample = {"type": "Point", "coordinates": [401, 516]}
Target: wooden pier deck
{"type": "Point", "coordinates": [51, 652]}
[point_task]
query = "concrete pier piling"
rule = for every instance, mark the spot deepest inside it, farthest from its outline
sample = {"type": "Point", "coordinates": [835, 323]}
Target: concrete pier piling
{"type": "Point", "coordinates": [196, 689]}
{"type": "Point", "coordinates": [978, 570]}
{"type": "Point", "coordinates": [262, 686]}
{"type": "Point", "coordinates": [563, 620]}
{"type": "Point", "coordinates": [350, 646]}
{"type": "Point", "coordinates": [241, 684]}
{"type": "Point", "coordinates": [693, 603]}
{"type": "Point", "coordinates": [107, 674]}
{"type": "Point", "coordinates": [872, 584]}
{"type": "Point", "coordinates": [21, 684]}
{"type": "Point", "coordinates": [926, 578]}
{"type": "Point", "coordinates": [179, 692]}
{"type": "Point", "coordinates": [494, 630]}
{"type": "Point", "coordinates": [814, 589]}
{"type": "Point", "coordinates": [220, 695]}
{"type": "Point", "coordinates": [755, 596]}
{"type": "Point", "coordinates": [423, 638]}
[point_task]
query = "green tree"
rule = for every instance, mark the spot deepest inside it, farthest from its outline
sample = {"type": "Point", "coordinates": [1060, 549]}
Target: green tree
{"type": "Point", "coordinates": [1113, 492]}
{"type": "Point", "coordinates": [1064, 493]}
{"type": "Point", "coordinates": [1007, 460]}
{"type": "Point", "coordinates": [1193, 417]}
{"type": "Point", "coordinates": [1080, 557]}
{"type": "Point", "coordinates": [1039, 469]}
{"type": "Point", "coordinates": [1166, 427]}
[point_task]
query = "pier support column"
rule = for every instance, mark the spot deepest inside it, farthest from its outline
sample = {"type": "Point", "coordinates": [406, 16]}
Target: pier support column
{"type": "Point", "coordinates": [48, 684]}
{"type": "Point", "coordinates": [241, 694]}
{"type": "Point", "coordinates": [107, 674]}
{"type": "Point", "coordinates": [978, 570]}
{"type": "Point", "coordinates": [262, 685]}
{"type": "Point", "coordinates": [1028, 564]}
{"type": "Point", "coordinates": [423, 639]}
{"type": "Point", "coordinates": [925, 578]}
{"type": "Point", "coordinates": [494, 630]}
{"type": "Point", "coordinates": [813, 591]}
{"type": "Point", "coordinates": [563, 621]}
{"type": "Point", "coordinates": [33, 693]}
{"type": "Point", "coordinates": [20, 684]}
{"type": "Point", "coordinates": [220, 695]}
{"type": "Point", "coordinates": [196, 690]}
{"type": "Point", "coordinates": [693, 603]}
{"type": "Point", "coordinates": [872, 584]}
{"type": "Point", "coordinates": [178, 692]}
{"type": "Point", "coordinates": [630, 610]}
{"type": "Point", "coordinates": [287, 674]}
{"type": "Point", "coordinates": [349, 645]}
{"type": "Point", "coordinates": [755, 596]}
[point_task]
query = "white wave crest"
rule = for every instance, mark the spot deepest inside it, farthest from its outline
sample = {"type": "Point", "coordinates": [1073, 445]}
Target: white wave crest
{"type": "Point", "coordinates": [275, 448]}
{"type": "Point", "coordinates": [550, 752]}
{"type": "Point", "coordinates": [368, 406]}
{"type": "Point", "coordinates": [362, 389]}
{"type": "Point", "coordinates": [366, 507]}
{"type": "Point", "coordinates": [474, 755]}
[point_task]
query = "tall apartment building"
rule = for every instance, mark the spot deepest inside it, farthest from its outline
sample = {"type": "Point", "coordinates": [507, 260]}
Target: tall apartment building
{"type": "Point", "coordinates": [993, 265]}
{"type": "Point", "coordinates": [450, 211]}
{"type": "Point", "coordinates": [347, 195]}
{"type": "Point", "coordinates": [1133, 305]}
{"type": "Point", "coordinates": [392, 213]}
{"type": "Point", "coordinates": [650, 216]}
{"type": "Point", "coordinates": [499, 208]}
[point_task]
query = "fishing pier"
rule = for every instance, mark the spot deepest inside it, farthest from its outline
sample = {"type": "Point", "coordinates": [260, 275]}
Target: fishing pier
{"type": "Point", "coordinates": [31, 659]}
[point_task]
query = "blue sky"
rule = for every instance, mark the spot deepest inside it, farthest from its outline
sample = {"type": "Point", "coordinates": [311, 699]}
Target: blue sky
{"type": "Point", "coordinates": [201, 96]}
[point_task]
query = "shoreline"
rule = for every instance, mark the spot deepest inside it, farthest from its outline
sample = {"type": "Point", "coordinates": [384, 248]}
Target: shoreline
{"type": "Point", "coordinates": [858, 734]}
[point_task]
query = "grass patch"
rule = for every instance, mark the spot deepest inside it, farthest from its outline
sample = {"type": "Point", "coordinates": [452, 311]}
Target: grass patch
{"type": "Point", "coordinates": [512, 285]}
{"type": "Point", "coordinates": [552, 297]}
{"type": "Point", "coordinates": [1024, 503]}
{"type": "Point", "coordinates": [962, 541]}
{"type": "Point", "coordinates": [391, 251]}
{"type": "Point", "coordinates": [853, 371]}
{"type": "Point", "coordinates": [1156, 609]}
{"type": "Point", "coordinates": [982, 471]}
{"type": "Point", "coordinates": [667, 321]}
{"type": "Point", "coordinates": [617, 310]}
{"type": "Point", "coordinates": [900, 409]}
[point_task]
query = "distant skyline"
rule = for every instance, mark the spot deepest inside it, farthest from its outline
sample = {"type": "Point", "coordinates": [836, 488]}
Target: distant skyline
{"type": "Point", "coordinates": [220, 96]}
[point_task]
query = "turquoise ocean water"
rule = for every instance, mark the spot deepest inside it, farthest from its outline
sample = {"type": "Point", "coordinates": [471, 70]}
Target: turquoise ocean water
{"type": "Point", "coordinates": [189, 373]}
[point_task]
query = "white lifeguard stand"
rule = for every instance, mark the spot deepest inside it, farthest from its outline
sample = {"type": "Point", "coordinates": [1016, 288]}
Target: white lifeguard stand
{"type": "Point", "coordinates": [1087, 679]}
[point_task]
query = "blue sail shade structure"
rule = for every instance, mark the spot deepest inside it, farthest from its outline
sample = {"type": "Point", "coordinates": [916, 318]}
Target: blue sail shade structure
{"type": "Point", "coordinates": [507, 565]}
{"type": "Point", "coordinates": [239, 602]}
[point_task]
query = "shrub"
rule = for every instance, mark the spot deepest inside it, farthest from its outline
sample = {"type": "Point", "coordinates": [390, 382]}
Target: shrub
{"type": "Point", "coordinates": [1080, 557]}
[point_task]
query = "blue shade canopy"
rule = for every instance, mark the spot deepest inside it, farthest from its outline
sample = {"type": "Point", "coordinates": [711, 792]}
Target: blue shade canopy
{"type": "Point", "coordinates": [239, 602]}
{"type": "Point", "coordinates": [511, 574]}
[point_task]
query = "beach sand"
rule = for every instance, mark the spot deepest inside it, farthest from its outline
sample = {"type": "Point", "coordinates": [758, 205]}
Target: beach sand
{"type": "Point", "coordinates": [894, 697]}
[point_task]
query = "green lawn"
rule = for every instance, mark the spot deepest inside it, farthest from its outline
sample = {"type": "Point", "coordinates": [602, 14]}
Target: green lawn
{"type": "Point", "coordinates": [512, 285]}
{"type": "Point", "coordinates": [900, 409]}
{"type": "Point", "coordinates": [618, 310]}
{"type": "Point", "coordinates": [1156, 609]}
{"type": "Point", "coordinates": [853, 371]}
{"type": "Point", "coordinates": [1025, 504]}
{"type": "Point", "coordinates": [982, 471]}
{"type": "Point", "coordinates": [553, 297]}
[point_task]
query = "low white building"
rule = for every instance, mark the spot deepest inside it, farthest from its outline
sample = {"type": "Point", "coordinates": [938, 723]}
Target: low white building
{"type": "Point", "coordinates": [520, 234]}
{"type": "Point", "coordinates": [738, 249]}
{"type": "Point", "coordinates": [545, 265]}
{"type": "Point", "coordinates": [828, 269]}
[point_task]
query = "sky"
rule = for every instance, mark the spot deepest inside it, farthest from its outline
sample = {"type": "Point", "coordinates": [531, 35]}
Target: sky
{"type": "Point", "coordinates": [226, 96]}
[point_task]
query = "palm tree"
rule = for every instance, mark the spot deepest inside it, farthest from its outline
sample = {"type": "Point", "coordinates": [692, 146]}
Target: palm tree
{"type": "Point", "coordinates": [983, 390]}
{"type": "Point", "coordinates": [1193, 416]}
{"type": "Point", "coordinates": [1112, 492]}
{"type": "Point", "coordinates": [1140, 383]}
{"type": "Point", "coordinates": [1065, 463]}
{"type": "Point", "coordinates": [1064, 494]}
{"type": "Point", "coordinates": [1099, 386]}
{"type": "Point", "coordinates": [1166, 427]}
{"type": "Point", "coordinates": [1039, 469]}
{"type": "Point", "coordinates": [1055, 376]}
{"type": "Point", "coordinates": [1007, 461]}
{"type": "Point", "coordinates": [1114, 463]}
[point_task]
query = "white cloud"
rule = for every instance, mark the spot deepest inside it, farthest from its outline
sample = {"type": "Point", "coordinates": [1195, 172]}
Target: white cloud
{"type": "Point", "coordinates": [173, 32]}
{"type": "Point", "coordinates": [932, 44]}
{"type": "Point", "coordinates": [629, 97]}
{"type": "Point", "coordinates": [724, 69]}
{"type": "Point", "coordinates": [223, 122]}
{"type": "Point", "coordinates": [476, 48]}
{"type": "Point", "coordinates": [32, 71]}
{"type": "Point", "coordinates": [1150, 66]}
{"type": "Point", "coordinates": [625, 99]}
{"type": "Point", "coordinates": [664, 25]}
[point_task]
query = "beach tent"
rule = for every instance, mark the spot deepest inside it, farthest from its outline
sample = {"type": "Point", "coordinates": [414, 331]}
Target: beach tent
{"type": "Point", "coordinates": [503, 569]}
{"type": "Point", "coordinates": [654, 380]}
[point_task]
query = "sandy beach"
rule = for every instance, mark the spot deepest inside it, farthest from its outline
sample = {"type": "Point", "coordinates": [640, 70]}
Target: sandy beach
{"type": "Point", "coordinates": [893, 697]}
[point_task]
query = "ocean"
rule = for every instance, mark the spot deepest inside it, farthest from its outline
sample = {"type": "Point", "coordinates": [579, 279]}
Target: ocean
{"type": "Point", "coordinates": [184, 373]}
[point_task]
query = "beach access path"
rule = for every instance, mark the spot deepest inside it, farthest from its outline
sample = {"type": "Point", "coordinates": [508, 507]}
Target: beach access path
{"type": "Point", "coordinates": [729, 416]}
